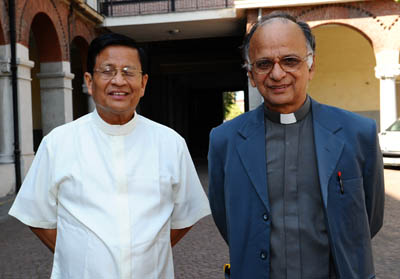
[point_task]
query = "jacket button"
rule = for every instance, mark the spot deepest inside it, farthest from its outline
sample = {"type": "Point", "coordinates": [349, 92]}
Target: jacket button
{"type": "Point", "coordinates": [265, 217]}
{"type": "Point", "coordinates": [263, 255]}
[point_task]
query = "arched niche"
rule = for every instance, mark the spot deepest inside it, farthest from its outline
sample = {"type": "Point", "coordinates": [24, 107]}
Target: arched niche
{"type": "Point", "coordinates": [344, 73]}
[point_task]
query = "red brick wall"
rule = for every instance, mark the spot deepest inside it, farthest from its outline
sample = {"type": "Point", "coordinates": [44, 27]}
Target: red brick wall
{"type": "Point", "coordinates": [3, 24]}
{"type": "Point", "coordinates": [378, 21]}
{"type": "Point", "coordinates": [63, 27]}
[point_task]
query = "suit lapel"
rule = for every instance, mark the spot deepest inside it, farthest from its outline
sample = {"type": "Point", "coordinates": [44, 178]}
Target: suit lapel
{"type": "Point", "coordinates": [251, 149]}
{"type": "Point", "coordinates": [328, 145]}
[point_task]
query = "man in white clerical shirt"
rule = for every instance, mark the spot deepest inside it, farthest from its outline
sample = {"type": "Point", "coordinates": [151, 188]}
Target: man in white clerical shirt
{"type": "Point", "coordinates": [112, 192]}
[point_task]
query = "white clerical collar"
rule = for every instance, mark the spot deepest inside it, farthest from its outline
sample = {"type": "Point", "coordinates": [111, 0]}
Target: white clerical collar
{"type": "Point", "coordinates": [289, 118]}
{"type": "Point", "coordinates": [115, 130]}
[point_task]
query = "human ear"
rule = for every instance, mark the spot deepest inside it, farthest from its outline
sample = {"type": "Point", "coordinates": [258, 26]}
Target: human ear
{"type": "Point", "coordinates": [88, 81]}
{"type": "Point", "coordinates": [311, 69]}
{"type": "Point", "coordinates": [250, 75]}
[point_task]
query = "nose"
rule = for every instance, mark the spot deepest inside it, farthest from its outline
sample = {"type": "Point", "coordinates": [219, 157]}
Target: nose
{"type": "Point", "coordinates": [277, 73]}
{"type": "Point", "coordinates": [118, 79]}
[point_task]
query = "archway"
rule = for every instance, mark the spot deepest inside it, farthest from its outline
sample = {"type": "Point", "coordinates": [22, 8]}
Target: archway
{"type": "Point", "coordinates": [49, 49]}
{"type": "Point", "coordinates": [345, 75]}
{"type": "Point", "coordinates": [43, 47]}
{"type": "Point", "coordinates": [53, 75]}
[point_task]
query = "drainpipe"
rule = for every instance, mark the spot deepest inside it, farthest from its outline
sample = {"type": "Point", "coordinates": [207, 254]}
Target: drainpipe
{"type": "Point", "coordinates": [14, 71]}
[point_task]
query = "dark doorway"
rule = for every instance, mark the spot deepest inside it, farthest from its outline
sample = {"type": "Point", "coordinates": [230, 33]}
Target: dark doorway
{"type": "Point", "coordinates": [186, 83]}
{"type": "Point", "coordinates": [78, 48]}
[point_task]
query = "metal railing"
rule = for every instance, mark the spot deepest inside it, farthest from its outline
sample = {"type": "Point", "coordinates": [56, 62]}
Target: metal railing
{"type": "Point", "coordinates": [142, 7]}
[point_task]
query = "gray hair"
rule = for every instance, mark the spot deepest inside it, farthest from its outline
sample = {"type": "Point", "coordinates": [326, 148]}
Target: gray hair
{"type": "Point", "coordinates": [310, 39]}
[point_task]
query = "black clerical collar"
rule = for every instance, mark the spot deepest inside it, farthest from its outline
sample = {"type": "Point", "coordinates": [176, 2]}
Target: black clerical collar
{"type": "Point", "coordinates": [289, 118]}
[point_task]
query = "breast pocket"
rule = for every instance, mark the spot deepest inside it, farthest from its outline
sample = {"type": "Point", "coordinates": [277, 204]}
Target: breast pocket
{"type": "Point", "coordinates": [348, 207]}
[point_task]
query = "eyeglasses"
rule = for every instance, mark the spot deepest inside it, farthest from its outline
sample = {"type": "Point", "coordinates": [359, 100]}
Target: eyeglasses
{"type": "Point", "coordinates": [288, 64]}
{"type": "Point", "coordinates": [109, 72]}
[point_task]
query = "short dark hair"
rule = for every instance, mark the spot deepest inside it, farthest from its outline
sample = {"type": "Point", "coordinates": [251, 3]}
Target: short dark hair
{"type": "Point", "coordinates": [113, 39]}
{"type": "Point", "coordinates": [310, 39]}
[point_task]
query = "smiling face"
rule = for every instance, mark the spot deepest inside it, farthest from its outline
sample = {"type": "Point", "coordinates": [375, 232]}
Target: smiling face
{"type": "Point", "coordinates": [116, 99]}
{"type": "Point", "coordinates": [282, 92]}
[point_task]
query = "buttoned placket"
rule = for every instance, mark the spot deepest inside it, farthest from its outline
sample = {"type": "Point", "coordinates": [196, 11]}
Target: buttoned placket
{"type": "Point", "coordinates": [124, 224]}
{"type": "Point", "coordinates": [291, 211]}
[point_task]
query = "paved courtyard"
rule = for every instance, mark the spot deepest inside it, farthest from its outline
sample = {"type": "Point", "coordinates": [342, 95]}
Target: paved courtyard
{"type": "Point", "coordinates": [202, 253]}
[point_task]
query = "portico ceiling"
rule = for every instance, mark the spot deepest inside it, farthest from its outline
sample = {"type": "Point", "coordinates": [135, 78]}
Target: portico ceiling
{"type": "Point", "coordinates": [179, 25]}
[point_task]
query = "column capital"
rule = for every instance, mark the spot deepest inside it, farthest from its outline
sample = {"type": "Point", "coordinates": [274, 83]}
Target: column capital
{"type": "Point", "coordinates": [387, 71]}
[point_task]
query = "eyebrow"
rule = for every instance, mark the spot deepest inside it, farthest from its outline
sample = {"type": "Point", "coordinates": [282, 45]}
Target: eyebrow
{"type": "Point", "coordinates": [113, 65]}
{"type": "Point", "coordinates": [280, 57]}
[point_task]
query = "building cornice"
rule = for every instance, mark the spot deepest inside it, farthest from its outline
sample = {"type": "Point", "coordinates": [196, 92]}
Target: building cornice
{"type": "Point", "coordinates": [248, 4]}
{"type": "Point", "coordinates": [86, 10]}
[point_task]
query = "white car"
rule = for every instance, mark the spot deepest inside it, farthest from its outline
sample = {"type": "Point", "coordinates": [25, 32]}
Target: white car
{"type": "Point", "coordinates": [390, 144]}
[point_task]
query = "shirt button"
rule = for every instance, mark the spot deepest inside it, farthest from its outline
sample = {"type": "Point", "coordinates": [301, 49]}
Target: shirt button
{"type": "Point", "coordinates": [263, 256]}
{"type": "Point", "coordinates": [265, 217]}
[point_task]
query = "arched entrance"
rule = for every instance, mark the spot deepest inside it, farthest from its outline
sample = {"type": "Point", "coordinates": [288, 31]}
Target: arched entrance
{"type": "Point", "coordinates": [51, 76]}
{"type": "Point", "coordinates": [345, 75]}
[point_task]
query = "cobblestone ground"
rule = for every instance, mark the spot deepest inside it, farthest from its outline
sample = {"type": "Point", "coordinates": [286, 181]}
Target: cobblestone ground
{"type": "Point", "coordinates": [201, 254]}
{"type": "Point", "coordinates": [386, 244]}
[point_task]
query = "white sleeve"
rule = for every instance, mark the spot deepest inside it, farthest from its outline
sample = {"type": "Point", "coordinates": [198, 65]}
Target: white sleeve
{"type": "Point", "coordinates": [36, 201]}
{"type": "Point", "coordinates": [190, 201]}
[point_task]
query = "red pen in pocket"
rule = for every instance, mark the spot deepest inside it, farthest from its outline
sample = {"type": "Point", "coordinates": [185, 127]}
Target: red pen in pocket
{"type": "Point", "coordinates": [339, 175]}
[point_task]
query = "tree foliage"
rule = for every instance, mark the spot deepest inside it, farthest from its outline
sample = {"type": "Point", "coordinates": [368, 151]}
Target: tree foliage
{"type": "Point", "coordinates": [231, 109]}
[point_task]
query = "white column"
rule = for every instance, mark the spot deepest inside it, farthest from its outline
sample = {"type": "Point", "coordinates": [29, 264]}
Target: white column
{"type": "Point", "coordinates": [255, 98]}
{"type": "Point", "coordinates": [7, 171]}
{"type": "Point", "coordinates": [6, 108]}
{"type": "Point", "coordinates": [55, 94]}
{"type": "Point", "coordinates": [25, 108]}
{"type": "Point", "coordinates": [386, 70]}
{"type": "Point", "coordinates": [388, 103]}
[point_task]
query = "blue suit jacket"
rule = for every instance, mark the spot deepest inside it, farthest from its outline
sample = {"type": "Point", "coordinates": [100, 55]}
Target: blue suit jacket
{"type": "Point", "coordinates": [238, 194]}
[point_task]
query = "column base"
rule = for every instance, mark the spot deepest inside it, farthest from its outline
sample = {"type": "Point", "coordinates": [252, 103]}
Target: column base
{"type": "Point", "coordinates": [7, 174]}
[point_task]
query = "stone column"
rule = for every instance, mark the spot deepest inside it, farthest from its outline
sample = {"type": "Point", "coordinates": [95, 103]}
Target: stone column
{"type": "Point", "coordinates": [55, 94]}
{"type": "Point", "coordinates": [386, 71]}
{"type": "Point", "coordinates": [6, 108]}
{"type": "Point", "coordinates": [255, 98]}
{"type": "Point", "coordinates": [25, 107]}
{"type": "Point", "coordinates": [7, 170]}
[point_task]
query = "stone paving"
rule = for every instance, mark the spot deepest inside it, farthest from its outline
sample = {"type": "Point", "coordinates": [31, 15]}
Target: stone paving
{"type": "Point", "coordinates": [202, 253]}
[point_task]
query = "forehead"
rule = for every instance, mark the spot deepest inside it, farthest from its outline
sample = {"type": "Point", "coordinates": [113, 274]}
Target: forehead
{"type": "Point", "coordinates": [118, 55]}
{"type": "Point", "coordinates": [276, 38]}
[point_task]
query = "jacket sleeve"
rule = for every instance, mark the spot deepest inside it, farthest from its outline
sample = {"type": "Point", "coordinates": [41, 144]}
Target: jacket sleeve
{"type": "Point", "coordinates": [216, 193]}
{"type": "Point", "coordinates": [374, 183]}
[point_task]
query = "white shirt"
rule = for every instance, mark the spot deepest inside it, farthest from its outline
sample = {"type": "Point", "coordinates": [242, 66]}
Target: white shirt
{"type": "Point", "coordinates": [113, 192]}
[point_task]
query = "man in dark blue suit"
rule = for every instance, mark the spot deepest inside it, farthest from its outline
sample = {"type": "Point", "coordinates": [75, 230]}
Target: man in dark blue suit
{"type": "Point", "coordinates": [296, 187]}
